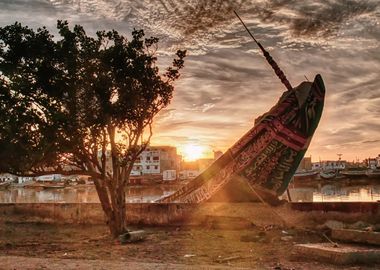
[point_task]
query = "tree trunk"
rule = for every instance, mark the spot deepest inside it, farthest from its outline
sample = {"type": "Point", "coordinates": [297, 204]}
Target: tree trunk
{"type": "Point", "coordinates": [113, 205]}
{"type": "Point", "coordinates": [118, 219]}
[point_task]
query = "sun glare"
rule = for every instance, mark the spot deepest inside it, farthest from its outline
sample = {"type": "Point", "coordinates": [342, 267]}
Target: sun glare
{"type": "Point", "coordinates": [192, 152]}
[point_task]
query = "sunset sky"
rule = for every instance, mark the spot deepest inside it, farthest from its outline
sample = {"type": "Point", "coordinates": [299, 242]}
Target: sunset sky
{"type": "Point", "coordinates": [226, 83]}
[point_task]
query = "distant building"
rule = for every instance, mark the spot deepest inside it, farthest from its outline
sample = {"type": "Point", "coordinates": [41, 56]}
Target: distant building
{"type": "Point", "coordinates": [152, 161]}
{"type": "Point", "coordinates": [169, 175]}
{"type": "Point", "coordinates": [24, 179]}
{"type": "Point", "coordinates": [329, 165]}
{"type": "Point", "coordinates": [305, 164]}
{"type": "Point", "coordinates": [373, 163]}
{"type": "Point", "coordinates": [188, 174]}
{"type": "Point", "coordinates": [156, 160]}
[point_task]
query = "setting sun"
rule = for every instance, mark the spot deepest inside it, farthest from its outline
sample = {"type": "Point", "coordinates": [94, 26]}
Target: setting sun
{"type": "Point", "coordinates": [192, 152]}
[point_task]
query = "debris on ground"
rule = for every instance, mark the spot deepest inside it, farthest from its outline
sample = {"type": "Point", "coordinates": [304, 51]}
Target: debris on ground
{"type": "Point", "coordinates": [132, 237]}
{"type": "Point", "coordinates": [228, 259]}
{"type": "Point", "coordinates": [189, 255]}
{"type": "Point", "coordinates": [286, 238]}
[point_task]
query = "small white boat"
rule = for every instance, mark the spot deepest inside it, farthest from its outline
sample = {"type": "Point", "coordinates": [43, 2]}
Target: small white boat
{"type": "Point", "coordinates": [5, 184]}
{"type": "Point", "coordinates": [328, 175]}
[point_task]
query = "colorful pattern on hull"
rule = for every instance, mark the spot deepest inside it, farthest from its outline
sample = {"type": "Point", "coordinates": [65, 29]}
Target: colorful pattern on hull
{"type": "Point", "coordinates": [268, 155]}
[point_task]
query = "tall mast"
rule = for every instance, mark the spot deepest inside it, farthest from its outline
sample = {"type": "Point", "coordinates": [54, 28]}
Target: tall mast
{"type": "Point", "coordinates": [280, 74]}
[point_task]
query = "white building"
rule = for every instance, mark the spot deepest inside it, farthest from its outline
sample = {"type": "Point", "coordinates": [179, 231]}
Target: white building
{"type": "Point", "coordinates": [327, 165]}
{"type": "Point", "coordinates": [147, 163]}
{"type": "Point", "coordinates": [169, 175]}
{"type": "Point", "coordinates": [156, 160]}
{"type": "Point", "coordinates": [153, 161]}
{"type": "Point", "coordinates": [188, 174]}
{"type": "Point", "coordinates": [372, 163]}
{"type": "Point", "coordinates": [23, 179]}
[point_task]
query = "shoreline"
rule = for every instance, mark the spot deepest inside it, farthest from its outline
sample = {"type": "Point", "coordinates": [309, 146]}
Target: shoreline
{"type": "Point", "coordinates": [235, 215]}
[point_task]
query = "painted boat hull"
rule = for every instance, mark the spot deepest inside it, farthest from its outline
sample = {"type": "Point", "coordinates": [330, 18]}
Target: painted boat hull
{"type": "Point", "coordinates": [268, 155]}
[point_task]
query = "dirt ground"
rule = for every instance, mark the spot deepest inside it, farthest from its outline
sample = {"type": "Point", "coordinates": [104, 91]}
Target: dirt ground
{"type": "Point", "coordinates": [90, 247]}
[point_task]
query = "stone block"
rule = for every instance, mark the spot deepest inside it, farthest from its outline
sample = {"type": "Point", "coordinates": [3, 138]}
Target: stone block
{"type": "Point", "coordinates": [344, 254]}
{"type": "Point", "coordinates": [356, 236]}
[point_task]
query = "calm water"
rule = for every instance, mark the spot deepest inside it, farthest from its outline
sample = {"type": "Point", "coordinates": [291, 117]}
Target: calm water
{"type": "Point", "coordinates": [84, 194]}
{"type": "Point", "coordinates": [342, 191]}
{"type": "Point", "coordinates": [338, 191]}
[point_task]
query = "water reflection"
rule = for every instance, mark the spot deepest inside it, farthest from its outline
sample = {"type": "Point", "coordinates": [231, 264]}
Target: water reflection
{"type": "Point", "coordinates": [336, 192]}
{"type": "Point", "coordinates": [84, 194]}
{"type": "Point", "coordinates": [332, 192]}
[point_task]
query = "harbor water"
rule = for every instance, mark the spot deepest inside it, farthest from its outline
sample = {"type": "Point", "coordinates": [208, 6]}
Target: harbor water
{"type": "Point", "coordinates": [339, 191]}
{"type": "Point", "coordinates": [346, 191]}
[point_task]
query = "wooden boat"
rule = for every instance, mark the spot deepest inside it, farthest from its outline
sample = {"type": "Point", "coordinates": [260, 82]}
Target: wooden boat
{"type": "Point", "coordinates": [305, 175]}
{"type": "Point", "coordinates": [47, 186]}
{"type": "Point", "coordinates": [36, 185]}
{"type": "Point", "coordinates": [328, 175]}
{"type": "Point", "coordinates": [354, 173]}
{"type": "Point", "coordinates": [268, 155]}
{"type": "Point", "coordinates": [6, 184]}
{"type": "Point", "coordinates": [24, 185]}
{"type": "Point", "coordinates": [373, 173]}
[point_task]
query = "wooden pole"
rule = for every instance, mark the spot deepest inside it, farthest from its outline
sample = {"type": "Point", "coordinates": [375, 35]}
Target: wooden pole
{"type": "Point", "coordinates": [280, 74]}
{"type": "Point", "coordinates": [288, 193]}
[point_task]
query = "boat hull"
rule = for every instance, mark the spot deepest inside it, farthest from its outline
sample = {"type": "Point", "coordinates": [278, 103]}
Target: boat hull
{"type": "Point", "coordinates": [53, 186]}
{"type": "Point", "coordinates": [354, 174]}
{"type": "Point", "coordinates": [268, 155]}
{"type": "Point", "coordinates": [5, 185]}
{"type": "Point", "coordinates": [328, 175]}
{"type": "Point", "coordinates": [305, 176]}
{"type": "Point", "coordinates": [373, 174]}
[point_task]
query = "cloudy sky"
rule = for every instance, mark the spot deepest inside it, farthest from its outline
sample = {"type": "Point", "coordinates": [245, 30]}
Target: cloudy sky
{"type": "Point", "coordinates": [226, 83]}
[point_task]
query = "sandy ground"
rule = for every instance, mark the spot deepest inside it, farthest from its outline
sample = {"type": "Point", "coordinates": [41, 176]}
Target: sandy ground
{"type": "Point", "coordinates": [26, 263]}
{"type": "Point", "coordinates": [221, 235]}
{"type": "Point", "coordinates": [33, 245]}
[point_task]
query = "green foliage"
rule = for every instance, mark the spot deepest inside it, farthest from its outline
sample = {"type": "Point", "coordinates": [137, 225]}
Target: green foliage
{"type": "Point", "coordinates": [63, 101]}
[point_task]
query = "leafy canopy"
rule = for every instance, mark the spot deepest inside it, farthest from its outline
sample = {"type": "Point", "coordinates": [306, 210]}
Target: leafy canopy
{"type": "Point", "coordinates": [64, 101]}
